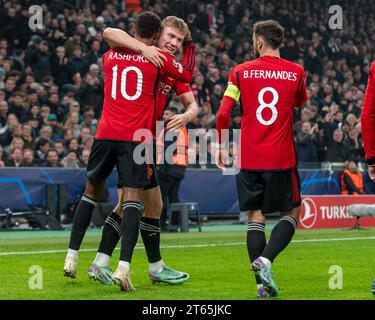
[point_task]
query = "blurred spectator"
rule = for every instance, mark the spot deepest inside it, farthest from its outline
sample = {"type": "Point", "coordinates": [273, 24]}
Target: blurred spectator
{"type": "Point", "coordinates": [55, 127]}
{"type": "Point", "coordinates": [72, 123]}
{"type": "Point", "coordinates": [85, 132]}
{"type": "Point", "coordinates": [216, 97]}
{"type": "Point", "coordinates": [15, 159]}
{"type": "Point", "coordinates": [352, 180]}
{"type": "Point", "coordinates": [306, 147]}
{"type": "Point", "coordinates": [325, 127]}
{"type": "Point", "coordinates": [338, 151]}
{"type": "Point", "coordinates": [231, 20]}
{"type": "Point", "coordinates": [27, 136]}
{"type": "Point", "coordinates": [91, 92]}
{"type": "Point", "coordinates": [17, 142]}
{"type": "Point", "coordinates": [48, 73]}
{"type": "Point", "coordinates": [67, 134]}
{"type": "Point", "coordinates": [13, 129]}
{"type": "Point", "coordinates": [9, 87]}
{"type": "Point", "coordinates": [338, 119]}
{"type": "Point", "coordinates": [45, 111]}
{"type": "Point", "coordinates": [59, 147]}
{"type": "Point", "coordinates": [171, 171]}
{"type": "Point", "coordinates": [85, 156]}
{"type": "Point", "coordinates": [202, 18]}
{"type": "Point", "coordinates": [73, 42]}
{"type": "Point", "coordinates": [45, 133]}
{"type": "Point", "coordinates": [4, 109]}
{"type": "Point", "coordinates": [73, 145]}
{"type": "Point", "coordinates": [203, 121]}
{"type": "Point", "coordinates": [52, 159]}
{"type": "Point", "coordinates": [28, 158]}
{"type": "Point", "coordinates": [88, 142]}
{"type": "Point", "coordinates": [355, 146]}
{"type": "Point", "coordinates": [17, 106]}
{"type": "Point", "coordinates": [93, 54]}
{"type": "Point", "coordinates": [89, 122]}
{"type": "Point", "coordinates": [71, 160]}
{"type": "Point", "coordinates": [42, 147]}
{"type": "Point", "coordinates": [60, 69]}
{"type": "Point", "coordinates": [77, 64]}
{"type": "Point", "coordinates": [200, 91]}
{"type": "Point", "coordinates": [39, 58]}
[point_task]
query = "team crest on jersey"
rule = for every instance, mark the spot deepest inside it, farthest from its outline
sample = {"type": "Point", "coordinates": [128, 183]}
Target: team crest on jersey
{"type": "Point", "coordinates": [177, 65]}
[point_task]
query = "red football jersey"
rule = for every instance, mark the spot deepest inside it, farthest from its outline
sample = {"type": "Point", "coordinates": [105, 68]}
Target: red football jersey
{"type": "Point", "coordinates": [165, 86]}
{"type": "Point", "coordinates": [130, 86]}
{"type": "Point", "coordinates": [168, 83]}
{"type": "Point", "coordinates": [368, 118]}
{"type": "Point", "coordinates": [268, 88]}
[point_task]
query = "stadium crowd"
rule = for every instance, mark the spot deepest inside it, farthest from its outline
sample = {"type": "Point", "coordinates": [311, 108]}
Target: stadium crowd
{"type": "Point", "coordinates": [51, 80]}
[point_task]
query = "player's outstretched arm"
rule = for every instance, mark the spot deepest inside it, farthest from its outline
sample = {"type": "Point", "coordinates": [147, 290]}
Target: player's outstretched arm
{"type": "Point", "coordinates": [223, 115]}
{"type": "Point", "coordinates": [117, 38]}
{"type": "Point", "coordinates": [230, 98]}
{"type": "Point", "coordinates": [222, 122]}
{"type": "Point", "coordinates": [179, 121]}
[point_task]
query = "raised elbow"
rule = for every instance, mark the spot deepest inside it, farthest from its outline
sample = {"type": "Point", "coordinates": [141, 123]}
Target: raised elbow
{"type": "Point", "coordinates": [109, 36]}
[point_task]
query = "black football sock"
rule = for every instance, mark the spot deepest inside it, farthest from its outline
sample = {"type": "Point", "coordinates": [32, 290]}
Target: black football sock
{"type": "Point", "coordinates": [111, 234]}
{"type": "Point", "coordinates": [280, 237]}
{"type": "Point", "coordinates": [130, 229]}
{"type": "Point", "coordinates": [150, 232]}
{"type": "Point", "coordinates": [81, 221]}
{"type": "Point", "coordinates": [256, 242]}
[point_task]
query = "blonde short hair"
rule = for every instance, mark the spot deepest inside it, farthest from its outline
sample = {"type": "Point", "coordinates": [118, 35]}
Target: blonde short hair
{"type": "Point", "coordinates": [174, 22]}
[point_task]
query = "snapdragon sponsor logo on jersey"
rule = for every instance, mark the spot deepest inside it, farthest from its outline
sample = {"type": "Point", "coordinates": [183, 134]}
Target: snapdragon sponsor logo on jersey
{"type": "Point", "coordinates": [332, 211]}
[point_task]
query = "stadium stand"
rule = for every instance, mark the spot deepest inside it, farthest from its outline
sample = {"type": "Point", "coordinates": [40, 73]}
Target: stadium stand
{"type": "Point", "coordinates": [51, 80]}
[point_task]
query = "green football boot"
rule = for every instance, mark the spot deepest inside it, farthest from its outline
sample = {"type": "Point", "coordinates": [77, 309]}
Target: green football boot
{"type": "Point", "coordinates": [168, 275]}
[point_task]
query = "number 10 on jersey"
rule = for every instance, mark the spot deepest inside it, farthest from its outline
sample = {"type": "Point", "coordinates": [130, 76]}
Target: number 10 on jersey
{"type": "Point", "coordinates": [123, 80]}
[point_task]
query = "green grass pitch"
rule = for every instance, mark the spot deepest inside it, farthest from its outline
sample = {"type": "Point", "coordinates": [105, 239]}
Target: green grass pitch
{"type": "Point", "coordinates": [216, 260]}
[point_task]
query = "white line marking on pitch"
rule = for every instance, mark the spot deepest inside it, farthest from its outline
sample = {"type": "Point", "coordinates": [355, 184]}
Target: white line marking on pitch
{"type": "Point", "coordinates": [184, 246]}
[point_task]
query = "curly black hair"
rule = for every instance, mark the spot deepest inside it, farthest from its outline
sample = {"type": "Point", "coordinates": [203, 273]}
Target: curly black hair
{"type": "Point", "coordinates": [147, 24]}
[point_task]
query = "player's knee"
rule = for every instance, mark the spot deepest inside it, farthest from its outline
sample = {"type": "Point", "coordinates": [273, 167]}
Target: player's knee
{"type": "Point", "coordinates": [132, 194]}
{"type": "Point", "coordinates": [93, 189]}
{"type": "Point", "coordinates": [153, 209]}
{"type": "Point", "coordinates": [120, 213]}
{"type": "Point", "coordinates": [118, 210]}
{"type": "Point", "coordinates": [256, 217]}
{"type": "Point", "coordinates": [294, 213]}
